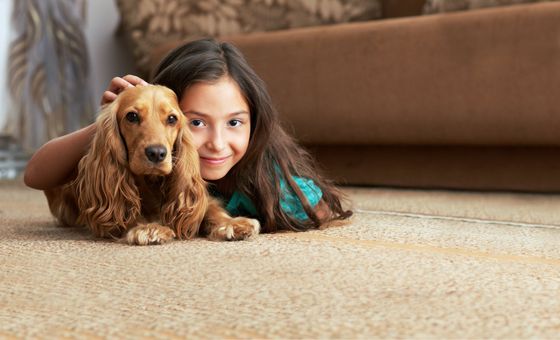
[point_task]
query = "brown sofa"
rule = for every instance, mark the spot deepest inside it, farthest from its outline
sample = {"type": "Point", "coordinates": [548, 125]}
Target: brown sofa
{"type": "Point", "coordinates": [466, 100]}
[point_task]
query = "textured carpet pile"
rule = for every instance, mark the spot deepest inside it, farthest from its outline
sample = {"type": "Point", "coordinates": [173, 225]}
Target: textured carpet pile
{"type": "Point", "coordinates": [410, 264]}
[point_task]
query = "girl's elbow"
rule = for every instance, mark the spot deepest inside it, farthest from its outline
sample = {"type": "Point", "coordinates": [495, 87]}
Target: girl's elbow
{"type": "Point", "coordinates": [322, 211]}
{"type": "Point", "coordinates": [29, 178]}
{"type": "Point", "coordinates": [32, 179]}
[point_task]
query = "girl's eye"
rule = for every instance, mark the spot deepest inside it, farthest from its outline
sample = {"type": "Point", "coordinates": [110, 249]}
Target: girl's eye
{"type": "Point", "coordinates": [172, 120]}
{"type": "Point", "coordinates": [235, 122]}
{"type": "Point", "coordinates": [197, 122]}
{"type": "Point", "coordinates": [133, 117]}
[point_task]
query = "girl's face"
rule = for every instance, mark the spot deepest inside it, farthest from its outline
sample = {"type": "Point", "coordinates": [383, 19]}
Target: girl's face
{"type": "Point", "coordinates": [219, 120]}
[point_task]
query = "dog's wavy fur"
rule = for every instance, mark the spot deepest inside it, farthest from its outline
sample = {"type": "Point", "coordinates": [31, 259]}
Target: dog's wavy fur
{"type": "Point", "coordinates": [118, 191]}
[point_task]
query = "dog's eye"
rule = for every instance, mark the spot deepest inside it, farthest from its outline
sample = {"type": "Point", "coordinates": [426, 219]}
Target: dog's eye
{"type": "Point", "coordinates": [132, 117]}
{"type": "Point", "coordinates": [171, 120]}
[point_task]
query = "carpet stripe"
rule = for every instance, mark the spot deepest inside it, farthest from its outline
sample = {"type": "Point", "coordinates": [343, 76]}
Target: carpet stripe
{"type": "Point", "coordinates": [459, 219]}
{"type": "Point", "coordinates": [419, 248]}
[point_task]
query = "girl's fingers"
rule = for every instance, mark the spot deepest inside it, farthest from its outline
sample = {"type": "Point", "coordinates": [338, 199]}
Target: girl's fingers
{"type": "Point", "coordinates": [134, 80]}
{"type": "Point", "coordinates": [118, 84]}
{"type": "Point", "coordinates": [108, 97]}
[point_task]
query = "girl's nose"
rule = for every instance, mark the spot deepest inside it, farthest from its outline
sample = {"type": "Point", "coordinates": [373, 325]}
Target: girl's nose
{"type": "Point", "coordinates": [216, 141]}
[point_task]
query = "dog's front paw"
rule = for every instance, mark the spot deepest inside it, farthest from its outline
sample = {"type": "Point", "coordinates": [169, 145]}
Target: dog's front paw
{"type": "Point", "coordinates": [148, 234]}
{"type": "Point", "coordinates": [235, 229]}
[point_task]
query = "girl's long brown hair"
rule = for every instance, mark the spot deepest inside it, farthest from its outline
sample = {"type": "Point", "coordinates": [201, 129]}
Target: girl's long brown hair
{"type": "Point", "coordinates": [272, 154]}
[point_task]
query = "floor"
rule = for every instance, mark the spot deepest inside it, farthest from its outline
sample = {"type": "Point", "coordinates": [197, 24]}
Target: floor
{"type": "Point", "coordinates": [410, 264]}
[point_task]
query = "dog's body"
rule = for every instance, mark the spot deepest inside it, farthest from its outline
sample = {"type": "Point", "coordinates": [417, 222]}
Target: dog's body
{"type": "Point", "coordinates": [140, 180]}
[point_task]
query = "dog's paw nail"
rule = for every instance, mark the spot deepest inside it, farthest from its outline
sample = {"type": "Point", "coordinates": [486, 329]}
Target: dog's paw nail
{"type": "Point", "coordinates": [256, 226]}
{"type": "Point", "coordinates": [149, 235]}
{"type": "Point", "coordinates": [230, 233]}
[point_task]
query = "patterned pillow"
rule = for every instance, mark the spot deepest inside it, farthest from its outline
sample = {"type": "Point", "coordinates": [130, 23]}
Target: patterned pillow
{"type": "Point", "coordinates": [146, 24]}
{"type": "Point", "coordinates": [438, 6]}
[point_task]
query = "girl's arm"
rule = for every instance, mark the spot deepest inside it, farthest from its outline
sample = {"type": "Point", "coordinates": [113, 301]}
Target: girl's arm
{"type": "Point", "coordinates": [55, 162]}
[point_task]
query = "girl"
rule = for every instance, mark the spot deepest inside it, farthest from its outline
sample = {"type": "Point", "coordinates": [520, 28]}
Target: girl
{"type": "Point", "coordinates": [252, 165]}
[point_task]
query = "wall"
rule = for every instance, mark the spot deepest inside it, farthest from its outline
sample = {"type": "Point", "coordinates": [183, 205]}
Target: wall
{"type": "Point", "coordinates": [5, 16]}
{"type": "Point", "coordinates": [108, 56]}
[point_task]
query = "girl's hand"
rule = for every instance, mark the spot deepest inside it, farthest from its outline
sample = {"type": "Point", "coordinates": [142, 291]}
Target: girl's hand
{"type": "Point", "coordinates": [118, 84]}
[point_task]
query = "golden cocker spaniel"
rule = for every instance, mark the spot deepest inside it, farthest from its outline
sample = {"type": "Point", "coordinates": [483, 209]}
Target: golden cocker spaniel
{"type": "Point", "coordinates": [140, 180]}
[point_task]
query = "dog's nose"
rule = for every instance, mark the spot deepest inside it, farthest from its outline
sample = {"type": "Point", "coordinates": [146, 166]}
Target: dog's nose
{"type": "Point", "coordinates": [156, 153]}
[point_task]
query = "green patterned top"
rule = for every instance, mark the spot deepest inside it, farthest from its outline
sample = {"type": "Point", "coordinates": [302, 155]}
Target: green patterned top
{"type": "Point", "coordinates": [240, 205]}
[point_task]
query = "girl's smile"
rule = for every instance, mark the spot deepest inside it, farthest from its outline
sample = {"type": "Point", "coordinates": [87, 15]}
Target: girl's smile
{"type": "Point", "coordinates": [210, 161]}
{"type": "Point", "coordinates": [220, 123]}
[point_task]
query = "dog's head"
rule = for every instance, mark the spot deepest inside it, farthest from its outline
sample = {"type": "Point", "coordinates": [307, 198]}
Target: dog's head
{"type": "Point", "coordinates": [149, 123]}
{"type": "Point", "coordinates": [142, 133]}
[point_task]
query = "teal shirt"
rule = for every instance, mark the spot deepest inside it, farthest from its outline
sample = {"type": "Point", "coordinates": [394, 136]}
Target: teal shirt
{"type": "Point", "coordinates": [240, 205]}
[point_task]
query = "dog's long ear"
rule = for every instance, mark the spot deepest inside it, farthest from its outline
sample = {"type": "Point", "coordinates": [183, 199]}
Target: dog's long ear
{"type": "Point", "coordinates": [186, 195]}
{"type": "Point", "coordinates": [108, 199]}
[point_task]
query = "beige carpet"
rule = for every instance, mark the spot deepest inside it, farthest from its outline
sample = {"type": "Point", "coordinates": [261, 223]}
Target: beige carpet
{"type": "Point", "coordinates": [412, 264]}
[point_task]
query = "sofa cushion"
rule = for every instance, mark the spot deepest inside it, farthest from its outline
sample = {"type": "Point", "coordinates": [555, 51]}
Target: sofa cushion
{"type": "Point", "coordinates": [486, 77]}
{"type": "Point", "coordinates": [146, 24]}
{"type": "Point", "coordinates": [438, 6]}
{"type": "Point", "coordinates": [400, 8]}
